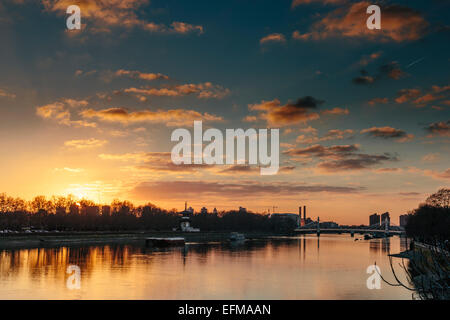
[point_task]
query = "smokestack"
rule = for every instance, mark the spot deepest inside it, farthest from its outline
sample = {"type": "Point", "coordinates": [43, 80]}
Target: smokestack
{"type": "Point", "coordinates": [304, 212]}
{"type": "Point", "coordinates": [300, 212]}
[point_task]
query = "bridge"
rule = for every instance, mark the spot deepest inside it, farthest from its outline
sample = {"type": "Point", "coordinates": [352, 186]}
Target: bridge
{"type": "Point", "coordinates": [379, 229]}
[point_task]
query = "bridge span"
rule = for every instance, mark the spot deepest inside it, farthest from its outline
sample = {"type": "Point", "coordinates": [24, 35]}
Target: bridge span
{"type": "Point", "coordinates": [347, 230]}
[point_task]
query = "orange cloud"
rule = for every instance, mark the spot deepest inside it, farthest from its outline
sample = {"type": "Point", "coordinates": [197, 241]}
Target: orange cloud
{"type": "Point", "coordinates": [174, 117]}
{"type": "Point", "coordinates": [274, 37]}
{"type": "Point", "coordinates": [431, 157]}
{"type": "Point", "coordinates": [378, 101]}
{"type": "Point", "coordinates": [59, 112]}
{"type": "Point", "coordinates": [439, 129]}
{"type": "Point", "coordinates": [335, 111]}
{"type": "Point", "coordinates": [140, 75]}
{"type": "Point", "coordinates": [406, 95]}
{"type": "Point", "coordinates": [205, 90]}
{"type": "Point", "coordinates": [438, 175]}
{"type": "Point", "coordinates": [91, 143]}
{"type": "Point", "coordinates": [106, 14]}
{"type": "Point", "coordinates": [398, 23]}
{"type": "Point", "coordinates": [365, 60]}
{"type": "Point", "coordinates": [277, 114]}
{"type": "Point", "coordinates": [6, 94]}
{"type": "Point", "coordinates": [334, 134]}
{"type": "Point", "coordinates": [389, 133]}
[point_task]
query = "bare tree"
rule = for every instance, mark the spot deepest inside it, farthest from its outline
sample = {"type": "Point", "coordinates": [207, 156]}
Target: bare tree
{"type": "Point", "coordinates": [440, 198]}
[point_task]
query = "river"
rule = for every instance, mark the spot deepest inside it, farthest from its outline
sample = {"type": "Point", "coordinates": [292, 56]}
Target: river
{"type": "Point", "coordinates": [304, 267]}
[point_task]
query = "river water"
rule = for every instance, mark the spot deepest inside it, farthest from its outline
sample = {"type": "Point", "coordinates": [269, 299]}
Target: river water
{"type": "Point", "coordinates": [304, 267]}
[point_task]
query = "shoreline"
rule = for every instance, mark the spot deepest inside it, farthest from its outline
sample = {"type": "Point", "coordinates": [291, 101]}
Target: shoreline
{"type": "Point", "coordinates": [42, 240]}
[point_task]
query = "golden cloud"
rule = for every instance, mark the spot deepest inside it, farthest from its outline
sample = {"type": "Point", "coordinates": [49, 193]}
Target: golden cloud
{"type": "Point", "coordinates": [175, 117]}
{"type": "Point", "coordinates": [91, 143]}
{"type": "Point", "coordinates": [398, 24]}
{"type": "Point", "coordinates": [107, 14]}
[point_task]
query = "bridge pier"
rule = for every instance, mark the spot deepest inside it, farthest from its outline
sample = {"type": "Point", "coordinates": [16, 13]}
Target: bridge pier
{"type": "Point", "coordinates": [318, 226]}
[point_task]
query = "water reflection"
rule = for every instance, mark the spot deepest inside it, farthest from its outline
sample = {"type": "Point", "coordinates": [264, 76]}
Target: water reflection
{"type": "Point", "coordinates": [282, 268]}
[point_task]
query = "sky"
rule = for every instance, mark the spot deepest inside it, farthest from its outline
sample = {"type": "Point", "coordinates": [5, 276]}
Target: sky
{"type": "Point", "coordinates": [363, 114]}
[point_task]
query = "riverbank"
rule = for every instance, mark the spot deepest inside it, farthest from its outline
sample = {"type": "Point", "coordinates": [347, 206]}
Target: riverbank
{"type": "Point", "coordinates": [37, 240]}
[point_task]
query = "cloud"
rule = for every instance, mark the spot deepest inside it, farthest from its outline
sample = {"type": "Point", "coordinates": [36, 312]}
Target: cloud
{"type": "Point", "coordinates": [91, 143]}
{"type": "Point", "coordinates": [334, 134]}
{"type": "Point", "coordinates": [438, 175]}
{"type": "Point", "coordinates": [75, 103]}
{"type": "Point", "coordinates": [296, 3]}
{"type": "Point", "coordinates": [431, 157]}
{"type": "Point", "coordinates": [410, 194]}
{"type": "Point", "coordinates": [6, 94]}
{"type": "Point", "coordinates": [444, 175]}
{"type": "Point", "coordinates": [277, 114]}
{"type": "Point", "coordinates": [388, 170]}
{"type": "Point", "coordinates": [438, 89]}
{"type": "Point", "coordinates": [70, 170]}
{"type": "Point", "coordinates": [174, 117]}
{"type": "Point", "coordinates": [419, 99]}
{"type": "Point", "coordinates": [398, 24]}
{"type": "Point", "coordinates": [140, 75]}
{"type": "Point", "coordinates": [183, 189]}
{"type": "Point", "coordinates": [357, 162]}
{"type": "Point", "coordinates": [375, 101]}
{"type": "Point", "coordinates": [335, 111]}
{"type": "Point", "coordinates": [363, 79]}
{"type": "Point", "coordinates": [406, 95]}
{"type": "Point", "coordinates": [108, 14]}
{"type": "Point", "coordinates": [320, 151]}
{"type": "Point", "coordinates": [154, 162]}
{"type": "Point", "coordinates": [439, 129]}
{"type": "Point", "coordinates": [365, 60]}
{"type": "Point", "coordinates": [205, 90]}
{"type": "Point", "coordinates": [59, 112]}
{"type": "Point", "coordinates": [274, 37]}
{"type": "Point", "coordinates": [136, 157]}
{"type": "Point", "coordinates": [392, 70]}
{"type": "Point", "coordinates": [249, 170]}
{"type": "Point", "coordinates": [389, 70]}
{"type": "Point", "coordinates": [340, 157]}
{"type": "Point", "coordinates": [388, 133]}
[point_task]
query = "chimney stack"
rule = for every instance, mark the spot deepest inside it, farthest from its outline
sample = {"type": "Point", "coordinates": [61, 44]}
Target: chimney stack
{"type": "Point", "coordinates": [304, 212]}
{"type": "Point", "coordinates": [300, 212]}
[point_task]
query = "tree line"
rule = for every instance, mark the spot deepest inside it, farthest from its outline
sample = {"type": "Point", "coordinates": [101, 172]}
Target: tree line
{"type": "Point", "coordinates": [430, 222]}
{"type": "Point", "coordinates": [68, 214]}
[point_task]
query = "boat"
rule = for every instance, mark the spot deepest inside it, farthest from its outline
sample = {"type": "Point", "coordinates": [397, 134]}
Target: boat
{"type": "Point", "coordinates": [235, 236]}
{"type": "Point", "coordinates": [165, 242]}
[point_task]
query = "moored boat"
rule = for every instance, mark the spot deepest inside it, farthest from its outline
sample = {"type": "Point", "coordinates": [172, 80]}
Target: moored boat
{"type": "Point", "coordinates": [235, 236]}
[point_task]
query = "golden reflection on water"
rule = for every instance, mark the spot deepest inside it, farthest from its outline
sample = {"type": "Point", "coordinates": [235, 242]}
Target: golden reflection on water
{"type": "Point", "coordinates": [328, 267]}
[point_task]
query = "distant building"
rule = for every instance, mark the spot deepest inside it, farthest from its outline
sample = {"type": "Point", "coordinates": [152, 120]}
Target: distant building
{"type": "Point", "coordinates": [74, 209]}
{"type": "Point", "coordinates": [204, 210]}
{"type": "Point", "coordinates": [106, 211]}
{"type": "Point", "coordinates": [385, 217]}
{"type": "Point", "coordinates": [403, 219]}
{"type": "Point", "coordinates": [374, 219]}
{"type": "Point", "coordinates": [292, 216]}
{"type": "Point", "coordinates": [185, 220]}
{"type": "Point", "coordinates": [215, 211]}
{"type": "Point", "coordinates": [242, 210]}
{"type": "Point", "coordinates": [60, 211]}
{"type": "Point", "coordinates": [92, 210]}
